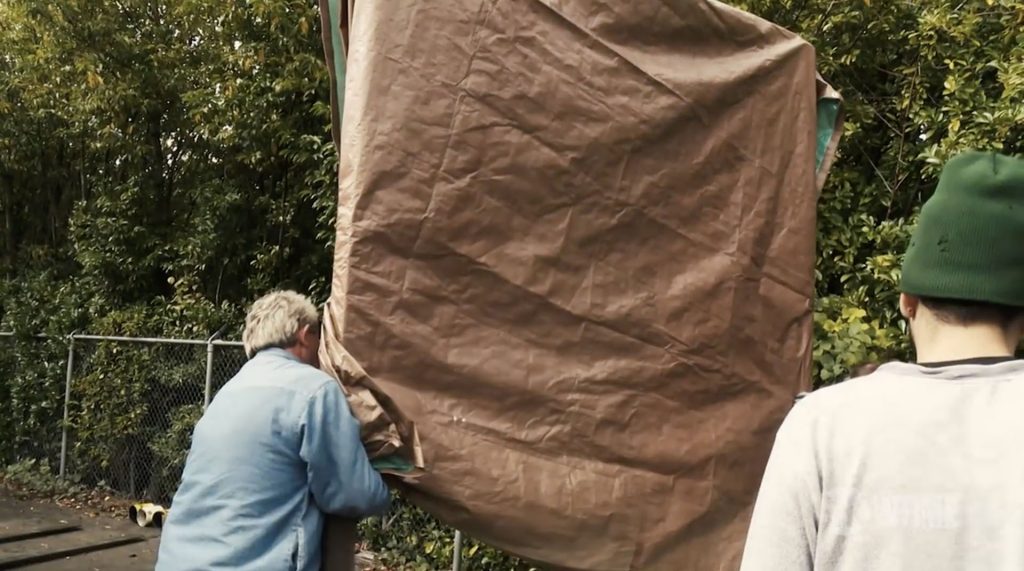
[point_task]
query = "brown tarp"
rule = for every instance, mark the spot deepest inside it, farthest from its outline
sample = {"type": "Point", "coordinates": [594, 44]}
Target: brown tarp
{"type": "Point", "coordinates": [575, 249]}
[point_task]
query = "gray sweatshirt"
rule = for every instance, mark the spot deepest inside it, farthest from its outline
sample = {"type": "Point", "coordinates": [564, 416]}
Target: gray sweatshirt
{"type": "Point", "coordinates": [907, 469]}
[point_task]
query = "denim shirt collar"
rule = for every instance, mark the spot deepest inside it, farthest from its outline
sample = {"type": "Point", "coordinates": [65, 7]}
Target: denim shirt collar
{"type": "Point", "coordinates": [275, 353]}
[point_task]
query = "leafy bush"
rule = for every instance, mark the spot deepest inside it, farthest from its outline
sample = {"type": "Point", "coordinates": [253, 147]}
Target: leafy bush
{"type": "Point", "coordinates": [32, 389]}
{"type": "Point", "coordinates": [34, 478]}
{"type": "Point", "coordinates": [131, 415]}
{"type": "Point", "coordinates": [170, 448]}
{"type": "Point", "coordinates": [412, 540]}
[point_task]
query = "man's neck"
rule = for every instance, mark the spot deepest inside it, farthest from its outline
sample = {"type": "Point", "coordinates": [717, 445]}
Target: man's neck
{"type": "Point", "coordinates": [960, 343]}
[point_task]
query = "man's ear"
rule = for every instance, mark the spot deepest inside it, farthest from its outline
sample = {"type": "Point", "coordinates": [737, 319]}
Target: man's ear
{"type": "Point", "coordinates": [307, 336]}
{"type": "Point", "coordinates": [909, 305]}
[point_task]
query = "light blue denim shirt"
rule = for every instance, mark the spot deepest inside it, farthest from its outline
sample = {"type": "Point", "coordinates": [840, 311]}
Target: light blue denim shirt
{"type": "Point", "coordinates": [275, 450]}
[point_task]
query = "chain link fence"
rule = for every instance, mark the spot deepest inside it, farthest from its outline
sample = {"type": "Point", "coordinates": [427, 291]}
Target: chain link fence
{"type": "Point", "coordinates": [116, 413]}
{"type": "Point", "coordinates": [132, 405]}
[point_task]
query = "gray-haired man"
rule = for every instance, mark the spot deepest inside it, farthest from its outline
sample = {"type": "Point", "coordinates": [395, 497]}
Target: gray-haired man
{"type": "Point", "coordinates": [276, 450]}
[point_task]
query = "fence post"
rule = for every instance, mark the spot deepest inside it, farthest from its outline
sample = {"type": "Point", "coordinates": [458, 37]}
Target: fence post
{"type": "Point", "coordinates": [457, 557]}
{"type": "Point", "coordinates": [67, 399]}
{"type": "Point", "coordinates": [208, 392]}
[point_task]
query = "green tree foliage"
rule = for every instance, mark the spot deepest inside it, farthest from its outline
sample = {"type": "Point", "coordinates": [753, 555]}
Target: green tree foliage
{"type": "Point", "coordinates": [922, 80]}
{"type": "Point", "coordinates": [162, 162]}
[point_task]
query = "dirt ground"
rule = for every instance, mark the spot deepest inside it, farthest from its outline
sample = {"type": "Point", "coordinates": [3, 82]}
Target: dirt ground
{"type": "Point", "coordinates": [22, 516]}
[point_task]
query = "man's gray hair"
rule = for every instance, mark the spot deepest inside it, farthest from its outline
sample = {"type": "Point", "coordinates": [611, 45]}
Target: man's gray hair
{"type": "Point", "coordinates": [275, 320]}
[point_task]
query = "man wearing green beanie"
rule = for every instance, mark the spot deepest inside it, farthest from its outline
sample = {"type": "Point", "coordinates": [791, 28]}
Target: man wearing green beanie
{"type": "Point", "coordinates": [919, 466]}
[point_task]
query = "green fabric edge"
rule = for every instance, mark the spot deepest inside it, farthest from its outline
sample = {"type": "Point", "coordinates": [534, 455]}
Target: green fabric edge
{"type": "Point", "coordinates": [828, 112]}
{"type": "Point", "coordinates": [338, 52]}
{"type": "Point", "coordinates": [392, 463]}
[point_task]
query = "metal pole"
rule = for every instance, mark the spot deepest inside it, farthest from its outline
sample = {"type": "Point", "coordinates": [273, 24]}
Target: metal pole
{"type": "Point", "coordinates": [457, 557]}
{"type": "Point", "coordinates": [67, 399]}
{"type": "Point", "coordinates": [209, 375]}
{"type": "Point", "coordinates": [208, 393]}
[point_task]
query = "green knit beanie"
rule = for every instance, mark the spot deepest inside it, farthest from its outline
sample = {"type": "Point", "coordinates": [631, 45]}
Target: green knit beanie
{"type": "Point", "coordinates": [969, 241]}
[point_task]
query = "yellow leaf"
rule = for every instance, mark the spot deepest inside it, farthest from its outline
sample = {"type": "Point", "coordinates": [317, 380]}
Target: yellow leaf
{"type": "Point", "coordinates": [93, 80]}
{"type": "Point", "coordinates": [852, 313]}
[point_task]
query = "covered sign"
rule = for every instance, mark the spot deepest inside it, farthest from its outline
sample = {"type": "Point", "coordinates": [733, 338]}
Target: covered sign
{"type": "Point", "coordinates": [575, 251]}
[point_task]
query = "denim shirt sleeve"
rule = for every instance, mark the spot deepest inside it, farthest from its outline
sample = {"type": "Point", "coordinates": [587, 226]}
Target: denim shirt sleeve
{"type": "Point", "coordinates": [341, 478]}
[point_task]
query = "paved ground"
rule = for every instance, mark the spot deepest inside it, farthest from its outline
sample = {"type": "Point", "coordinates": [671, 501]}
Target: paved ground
{"type": "Point", "coordinates": [19, 516]}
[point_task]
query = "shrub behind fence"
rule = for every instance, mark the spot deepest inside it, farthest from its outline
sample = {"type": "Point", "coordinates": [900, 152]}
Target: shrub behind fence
{"type": "Point", "coordinates": [132, 409]}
